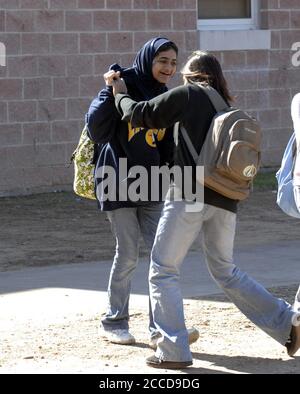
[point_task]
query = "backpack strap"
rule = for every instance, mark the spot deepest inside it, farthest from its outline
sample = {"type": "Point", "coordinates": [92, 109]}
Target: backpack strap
{"type": "Point", "coordinates": [219, 104]}
{"type": "Point", "coordinates": [176, 132]}
{"type": "Point", "coordinates": [187, 140]}
{"type": "Point", "coordinates": [215, 98]}
{"type": "Point", "coordinates": [295, 152]}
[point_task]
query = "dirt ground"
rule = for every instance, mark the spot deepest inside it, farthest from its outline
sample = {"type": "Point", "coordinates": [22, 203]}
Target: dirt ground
{"type": "Point", "coordinates": [59, 228]}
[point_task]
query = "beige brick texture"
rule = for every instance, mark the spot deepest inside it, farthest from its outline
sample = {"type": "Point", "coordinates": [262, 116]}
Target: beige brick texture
{"type": "Point", "coordinates": [57, 52]}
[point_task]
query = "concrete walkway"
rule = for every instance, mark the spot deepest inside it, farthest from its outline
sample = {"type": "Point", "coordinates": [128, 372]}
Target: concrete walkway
{"type": "Point", "coordinates": [51, 293]}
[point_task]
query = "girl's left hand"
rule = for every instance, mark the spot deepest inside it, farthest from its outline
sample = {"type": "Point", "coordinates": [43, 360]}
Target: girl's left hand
{"type": "Point", "coordinates": [119, 86]}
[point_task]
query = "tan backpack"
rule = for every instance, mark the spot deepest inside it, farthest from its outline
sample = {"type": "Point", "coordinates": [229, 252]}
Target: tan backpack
{"type": "Point", "coordinates": [231, 150]}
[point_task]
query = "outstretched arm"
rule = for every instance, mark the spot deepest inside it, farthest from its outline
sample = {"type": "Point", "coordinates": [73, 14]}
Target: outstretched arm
{"type": "Point", "coordinates": [162, 111]}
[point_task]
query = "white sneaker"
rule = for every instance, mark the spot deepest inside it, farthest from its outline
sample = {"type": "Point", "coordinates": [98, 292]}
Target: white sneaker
{"type": "Point", "coordinates": [120, 336]}
{"type": "Point", "coordinates": [193, 336]}
{"type": "Point", "coordinates": [296, 319]}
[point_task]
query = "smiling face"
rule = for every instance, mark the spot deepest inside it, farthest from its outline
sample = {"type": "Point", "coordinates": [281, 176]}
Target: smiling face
{"type": "Point", "coordinates": [164, 66]}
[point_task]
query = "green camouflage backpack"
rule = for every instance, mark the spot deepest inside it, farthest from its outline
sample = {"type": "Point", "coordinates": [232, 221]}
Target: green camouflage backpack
{"type": "Point", "coordinates": [83, 167]}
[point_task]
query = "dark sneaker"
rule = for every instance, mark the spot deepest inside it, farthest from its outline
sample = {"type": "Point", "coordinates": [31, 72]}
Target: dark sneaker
{"type": "Point", "coordinates": [193, 336]}
{"type": "Point", "coordinates": [155, 362]}
{"type": "Point", "coordinates": [293, 344]}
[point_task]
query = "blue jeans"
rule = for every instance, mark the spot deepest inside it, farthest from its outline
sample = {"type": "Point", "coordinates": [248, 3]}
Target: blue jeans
{"type": "Point", "coordinates": [177, 229]}
{"type": "Point", "coordinates": [127, 225]}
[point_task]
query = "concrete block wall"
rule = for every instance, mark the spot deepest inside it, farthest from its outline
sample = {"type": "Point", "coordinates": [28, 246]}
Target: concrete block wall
{"type": "Point", "coordinates": [58, 50]}
{"type": "Point", "coordinates": [265, 81]}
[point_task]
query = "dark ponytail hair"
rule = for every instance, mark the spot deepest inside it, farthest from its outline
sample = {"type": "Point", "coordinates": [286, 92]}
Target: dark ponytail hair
{"type": "Point", "coordinates": [204, 67]}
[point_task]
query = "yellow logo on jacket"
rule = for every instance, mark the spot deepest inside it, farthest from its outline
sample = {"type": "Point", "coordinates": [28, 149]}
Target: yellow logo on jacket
{"type": "Point", "coordinates": [149, 135]}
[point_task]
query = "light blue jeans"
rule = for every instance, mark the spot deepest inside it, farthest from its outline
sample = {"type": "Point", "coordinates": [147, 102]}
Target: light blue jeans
{"type": "Point", "coordinates": [127, 225]}
{"type": "Point", "coordinates": [177, 229]}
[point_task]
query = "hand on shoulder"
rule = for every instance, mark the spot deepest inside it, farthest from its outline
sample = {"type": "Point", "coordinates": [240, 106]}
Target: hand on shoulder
{"type": "Point", "coordinates": [112, 78]}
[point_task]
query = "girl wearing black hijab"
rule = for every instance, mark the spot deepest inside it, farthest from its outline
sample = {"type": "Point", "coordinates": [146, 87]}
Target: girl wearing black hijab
{"type": "Point", "coordinates": [120, 148]}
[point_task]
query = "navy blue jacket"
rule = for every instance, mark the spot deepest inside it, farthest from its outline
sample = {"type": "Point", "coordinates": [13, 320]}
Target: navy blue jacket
{"type": "Point", "coordinates": [117, 139]}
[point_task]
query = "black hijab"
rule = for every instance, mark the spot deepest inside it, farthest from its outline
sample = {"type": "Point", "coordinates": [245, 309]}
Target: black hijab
{"type": "Point", "coordinates": [139, 78]}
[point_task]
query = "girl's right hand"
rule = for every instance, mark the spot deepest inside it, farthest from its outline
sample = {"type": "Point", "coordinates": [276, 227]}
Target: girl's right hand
{"type": "Point", "coordinates": [110, 76]}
